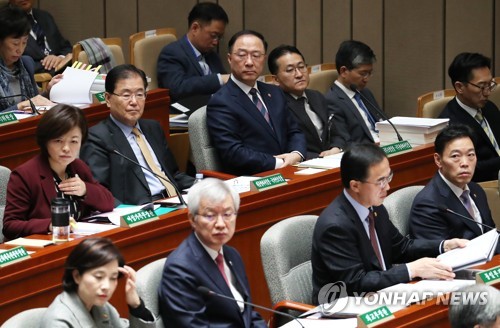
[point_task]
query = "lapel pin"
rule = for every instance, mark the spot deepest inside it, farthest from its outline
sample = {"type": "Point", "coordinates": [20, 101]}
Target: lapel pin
{"type": "Point", "coordinates": [269, 95]}
{"type": "Point", "coordinates": [375, 214]}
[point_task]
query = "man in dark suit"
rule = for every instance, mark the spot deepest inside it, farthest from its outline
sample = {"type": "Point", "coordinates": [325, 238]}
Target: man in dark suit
{"type": "Point", "coordinates": [139, 139]}
{"type": "Point", "coordinates": [248, 121]}
{"type": "Point", "coordinates": [204, 259]}
{"type": "Point", "coordinates": [354, 117]}
{"type": "Point", "coordinates": [308, 107]}
{"type": "Point", "coordinates": [46, 45]}
{"type": "Point", "coordinates": [472, 79]}
{"type": "Point", "coordinates": [355, 242]}
{"type": "Point", "coordinates": [451, 187]}
{"type": "Point", "coordinates": [190, 66]}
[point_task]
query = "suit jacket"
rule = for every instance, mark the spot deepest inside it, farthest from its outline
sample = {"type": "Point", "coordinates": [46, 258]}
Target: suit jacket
{"type": "Point", "coordinates": [349, 124]}
{"type": "Point", "coordinates": [30, 190]}
{"type": "Point", "coordinates": [317, 102]}
{"type": "Point", "coordinates": [57, 43]}
{"type": "Point", "coordinates": [488, 161]}
{"type": "Point", "coordinates": [428, 222]}
{"type": "Point", "coordinates": [68, 310]}
{"type": "Point", "coordinates": [182, 305]}
{"type": "Point", "coordinates": [342, 251]}
{"type": "Point", "coordinates": [246, 143]}
{"type": "Point", "coordinates": [125, 180]}
{"type": "Point", "coordinates": [30, 68]}
{"type": "Point", "coordinates": [178, 70]}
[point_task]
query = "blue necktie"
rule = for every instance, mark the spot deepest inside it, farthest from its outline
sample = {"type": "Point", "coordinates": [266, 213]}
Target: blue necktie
{"type": "Point", "coordinates": [368, 114]}
{"type": "Point", "coordinates": [40, 35]}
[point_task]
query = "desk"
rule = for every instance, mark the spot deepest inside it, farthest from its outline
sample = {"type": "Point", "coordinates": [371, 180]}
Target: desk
{"type": "Point", "coordinates": [36, 281]}
{"type": "Point", "coordinates": [19, 140]}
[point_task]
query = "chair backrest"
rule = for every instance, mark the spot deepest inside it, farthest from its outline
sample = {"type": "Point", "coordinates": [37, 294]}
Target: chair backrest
{"type": "Point", "coordinates": [145, 47]}
{"type": "Point", "coordinates": [204, 154]}
{"type": "Point", "coordinates": [114, 44]}
{"type": "Point", "coordinates": [4, 179]}
{"type": "Point", "coordinates": [492, 189]}
{"type": "Point", "coordinates": [148, 280]}
{"type": "Point", "coordinates": [285, 249]}
{"type": "Point", "coordinates": [27, 319]}
{"type": "Point", "coordinates": [431, 104]}
{"type": "Point", "coordinates": [398, 205]}
{"type": "Point", "coordinates": [321, 77]}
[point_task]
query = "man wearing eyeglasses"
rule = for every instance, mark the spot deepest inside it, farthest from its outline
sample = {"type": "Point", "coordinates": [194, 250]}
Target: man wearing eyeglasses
{"type": "Point", "coordinates": [471, 77]}
{"type": "Point", "coordinates": [355, 242]}
{"type": "Point", "coordinates": [248, 120]}
{"type": "Point", "coordinates": [354, 116]}
{"type": "Point", "coordinates": [141, 140]}
{"type": "Point", "coordinates": [287, 64]}
{"type": "Point", "coordinates": [190, 66]}
{"type": "Point", "coordinates": [204, 260]}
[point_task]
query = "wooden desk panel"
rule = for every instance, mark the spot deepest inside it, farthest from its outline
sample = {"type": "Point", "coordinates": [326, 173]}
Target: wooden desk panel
{"type": "Point", "coordinates": [35, 282]}
{"type": "Point", "coordinates": [19, 140]}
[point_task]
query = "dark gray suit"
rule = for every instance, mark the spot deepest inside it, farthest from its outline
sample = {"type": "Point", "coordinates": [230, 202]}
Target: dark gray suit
{"type": "Point", "coordinates": [125, 180]}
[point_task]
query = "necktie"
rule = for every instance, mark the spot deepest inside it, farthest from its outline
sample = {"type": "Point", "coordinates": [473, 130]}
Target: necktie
{"type": "Point", "coordinates": [464, 197]}
{"type": "Point", "coordinates": [480, 118]}
{"type": "Point", "coordinates": [260, 106]}
{"type": "Point", "coordinates": [151, 163]}
{"type": "Point", "coordinates": [357, 97]}
{"type": "Point", "coordinates": [220, 264]}
{"type": "Point", "coordinates": [315, 119]}
{"type": "Point", "coordinates": [204, 65]}
{"type": "Point", "coordinates": [38, 31]}
{"type": "Point", "coordinates": [373, 236]}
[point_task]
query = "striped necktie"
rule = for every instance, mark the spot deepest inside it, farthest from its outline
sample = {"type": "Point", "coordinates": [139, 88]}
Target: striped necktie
{"type": "Point", "coordinates": [260, 106]}
{"type": "Point", "coordinates": [480, 118]}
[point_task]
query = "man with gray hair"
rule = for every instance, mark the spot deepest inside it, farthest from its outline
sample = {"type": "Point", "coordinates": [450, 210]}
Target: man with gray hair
{"type": "Point", "coordinates": [351, 103]}
{"type": "Point", "coordinates": [483, 312]}
{"type": "Point", "coordinates": [204, 260]}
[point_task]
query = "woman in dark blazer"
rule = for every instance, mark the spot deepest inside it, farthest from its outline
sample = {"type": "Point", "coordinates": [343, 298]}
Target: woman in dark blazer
{"type": "Point", "coordinates": [55, 172]}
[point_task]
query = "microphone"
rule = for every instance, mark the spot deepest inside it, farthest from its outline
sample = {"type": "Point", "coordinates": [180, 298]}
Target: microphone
{"type": "Point", "coordinates": [183, 203]}
{"type": "Point", "coordinates": [445, 209]}
{"type": "Point", "coordinates": [354, 88]}
{"type": "Point", "coordinates": [32, 105]}
{"type": "Point", "coordinates": [207, 292]}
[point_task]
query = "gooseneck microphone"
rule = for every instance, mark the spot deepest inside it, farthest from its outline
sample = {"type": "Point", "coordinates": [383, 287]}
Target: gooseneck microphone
{"type": "Point", "coordinates": [354, 88]}
{"type": "Point", "coordinates": [32, 105]}
{"type": "Point", "coordinates": [207, 292]}
{"type": "Point", "coordinates": [445, 209]}
{"type": "Point", "coordinates": [183, 203]}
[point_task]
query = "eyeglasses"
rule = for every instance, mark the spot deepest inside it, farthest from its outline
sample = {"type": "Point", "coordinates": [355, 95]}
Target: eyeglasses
{"type": "Point", "coordinates": [364, 74]}
{"type": "Point", "coordinates": [227, 217]}
{"type": "Point", "coordinates": [382, 182]}
{"type": "Point", "coordinates": [243, 55]}
{"type": "Point", "coordinates": [216, 37]}
{"type": "Point", "coordinates": [485, 86]}
{"type": "Point", "coordinates": [127, 96]}
{"type": "Point", "coordinates": [302, 68]}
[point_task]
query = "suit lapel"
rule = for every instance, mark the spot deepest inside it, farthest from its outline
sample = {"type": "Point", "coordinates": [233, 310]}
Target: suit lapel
{"type": "Point", "coordinates": [352, 110]}
{"type": "Point", "coordinates": [190, 54]}
{"type": "Point", "coordinates": [302, 115]}
{"type": "Point", "coordinates": [155, 144]}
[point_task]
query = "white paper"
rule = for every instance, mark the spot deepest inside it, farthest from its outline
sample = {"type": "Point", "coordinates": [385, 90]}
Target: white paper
{"type": "Point", "coordinates": [327, 162]}
{"type": "Point", "coordinates": [29, 242]}
{"type": "Point", "coordinates": [309, 171]}
{"type": "Point", "coordinates": [74, 87]}
{"type": "Point", "coordinates": [86, 228]}
{"type": "Point", "coordinates": [241, 184]}
{"type": "Point", "coordinates": [313, 323]}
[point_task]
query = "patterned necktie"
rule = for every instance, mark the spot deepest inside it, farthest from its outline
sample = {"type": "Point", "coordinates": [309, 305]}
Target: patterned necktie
{"type": "Point", "coordinates": [480, 118]}
{"type": "Point", "coordinates": [220, 264]}
{"type": "Point", "coordinates": [260, 106]}
{"type": "Point", "coordinates": [204, 65]}
{"type": "Point", "coordinates": [369, 115]}
{"type": "Point", "coordinates": [151, 163]}
{"type": "Point", "coordinates": [464, 197]}
{"type": "Point", "coordinates": [38, 31]}
{"type": "Point", "coordinates": [373, 236]}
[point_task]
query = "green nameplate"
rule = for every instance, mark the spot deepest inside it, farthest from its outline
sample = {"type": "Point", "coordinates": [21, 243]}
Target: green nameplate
{"type": "Point", "coordinates": [13, 255]}
{"type": "Point", "coordinates": [491, 276]}
{"type": "Point", "coordinates": [99, 97]}
{"type": "Point", "coordinates": [375, 317]}
{"type": "Point", "coordinates": [137, 218]}
{"type": "Point", "coordinates": [7, 118]}
{"type": "Point", "coordinates": [396, 148]}
{"type": "Point", "coordinates": [269, 182]}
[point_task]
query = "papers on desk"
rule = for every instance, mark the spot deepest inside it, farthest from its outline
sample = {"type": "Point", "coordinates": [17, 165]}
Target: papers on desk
{"type": "Point", "coordinates": [241, 184]}
{"type": "Point", "coordinates": [313, 323]}
{"type": "Point", "coordinates": [87, 228]}
{"type": "Point", "coordinates": [415, 130]}
{"type": "Point", "coordinates": [180, 120]}
{"type": "Point", "coordinates": [327, 162]}
{"type": "Point", "coordinates": [29, 242]}
{"type": "Point", "coordinates": [74, 87]}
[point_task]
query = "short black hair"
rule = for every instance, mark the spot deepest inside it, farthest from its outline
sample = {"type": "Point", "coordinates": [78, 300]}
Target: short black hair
{"type": "Point", "coordinates": [13, 22]}
{"type": "Point", "coordinates": [89, 254]}
{"type": "Point", "coordinates": [276, 53]}
{"type": "Point", "coordinates": [461, 67]}
{"type": "Point", "coordinates": [122, 72]}
{"type": "Point", "coordinates": [357, 160]}
{"type": "Point", "coordinates": [352, 54]}
{"type": "Point", "coordinates": [57, 121]}
{"type": "Point", "coordinates": [235, 37]}
{"type": "Point", "coordinates": [205, 12]}
{"type": "Point", "coordinates": [450, 133]}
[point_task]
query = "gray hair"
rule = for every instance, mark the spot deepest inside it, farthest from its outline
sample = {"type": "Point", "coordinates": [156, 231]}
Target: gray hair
{"type": "Point", "coordinates": [211, 189]}
{"type": "Point", "coordinates": [474, 313]}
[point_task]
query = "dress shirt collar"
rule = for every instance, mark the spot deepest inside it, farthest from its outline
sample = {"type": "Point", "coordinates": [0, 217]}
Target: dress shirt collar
{"type": "Point", "coordinates": [360, 209]}
{"type": "Point", "coordinates": [127, 130]}
{"type": "Point", "coordinates": [245, 88]}
{"type": "Point", "coordinates": [212, 252]}
{"type": "Point", "coordinates": [456, 190]}
{"type": "Point", "coordinates": [303, 95]}
{"type": "Point", "coordinates": [472, 111]}
{"type": "Point", "coordinates": [348, 92]}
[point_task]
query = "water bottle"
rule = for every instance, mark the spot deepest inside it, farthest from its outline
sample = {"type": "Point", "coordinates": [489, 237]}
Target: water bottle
{"type": "Point", "coordinates": [60, 220]}
{"type": "Point", "coordinates": [198, 178]}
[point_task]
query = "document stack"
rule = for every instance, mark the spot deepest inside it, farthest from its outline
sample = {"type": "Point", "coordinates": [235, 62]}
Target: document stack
{"type": "Point", "coordinates": [416, 130]}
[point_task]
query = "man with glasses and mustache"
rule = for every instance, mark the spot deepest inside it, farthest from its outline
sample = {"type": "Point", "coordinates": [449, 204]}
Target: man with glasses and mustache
{"type": "Point", "coordinates": [471, 77]}
{"type": "Point", "coordinates": [355, 242]}
{"type": "Point", "coordinates": [287, 64]}
{"type": "Point", "coordinates": [354, 117]}
{"type": "Point", "coordinates": [190, 66]}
